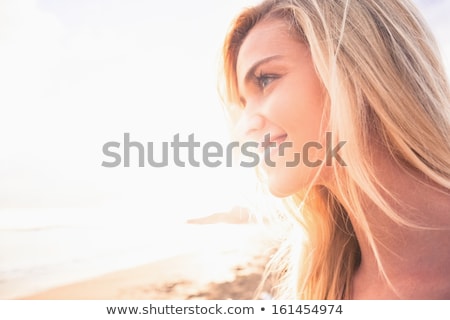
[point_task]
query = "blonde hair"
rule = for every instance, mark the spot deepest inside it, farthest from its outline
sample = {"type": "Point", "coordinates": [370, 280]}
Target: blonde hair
{"type": "Point", "coordinates": [385, 84]}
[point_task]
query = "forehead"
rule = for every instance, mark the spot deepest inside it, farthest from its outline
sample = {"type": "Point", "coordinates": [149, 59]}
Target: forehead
{"type": "Point", "coordinates": [266, 38]}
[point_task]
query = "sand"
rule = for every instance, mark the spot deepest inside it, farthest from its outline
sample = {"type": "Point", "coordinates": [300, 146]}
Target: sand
{"type": "Point", "coordinates": [182, 277]}
{"type": "Point", "coordinates": [229, 272]}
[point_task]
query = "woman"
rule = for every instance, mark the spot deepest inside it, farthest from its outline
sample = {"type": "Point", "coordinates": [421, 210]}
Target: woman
{"type": "Point", "coordinates": [356, 92]}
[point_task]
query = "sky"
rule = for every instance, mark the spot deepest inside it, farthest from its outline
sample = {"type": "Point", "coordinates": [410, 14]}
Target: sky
{"type": "Point", "coordinates": [78, 74]}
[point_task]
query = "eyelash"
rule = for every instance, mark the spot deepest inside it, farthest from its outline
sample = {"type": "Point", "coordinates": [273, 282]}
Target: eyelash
{"type": "Point", "coordinates": [262, 77]}
{"type": "Point", "coordinates": [261, 80]}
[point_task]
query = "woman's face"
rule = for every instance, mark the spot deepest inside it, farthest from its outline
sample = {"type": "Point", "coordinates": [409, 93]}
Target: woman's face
{"type": "Point", "coordinates": [282, 97]}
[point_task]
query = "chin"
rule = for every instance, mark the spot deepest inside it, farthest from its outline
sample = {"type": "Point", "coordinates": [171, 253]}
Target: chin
{"type": "Point", "coordinates": [283, 184]}
{"type": "Point", "coordinates": [277, 193]}
{"type": "Point", "coordinates": [281, 189]}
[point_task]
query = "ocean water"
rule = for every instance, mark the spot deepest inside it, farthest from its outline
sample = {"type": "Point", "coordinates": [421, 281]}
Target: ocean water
{"type": "Point", "coordinates": [64, 246]}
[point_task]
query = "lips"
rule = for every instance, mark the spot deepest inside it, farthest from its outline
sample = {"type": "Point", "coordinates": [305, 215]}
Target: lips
{"type": "Point", "coordinates": [273, 141]}
{"type": "Point", "coordinates": [279, 139]}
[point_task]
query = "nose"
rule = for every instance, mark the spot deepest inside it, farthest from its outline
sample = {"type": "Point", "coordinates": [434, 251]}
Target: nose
{"type": "Point", "coordinates": [249, 125]}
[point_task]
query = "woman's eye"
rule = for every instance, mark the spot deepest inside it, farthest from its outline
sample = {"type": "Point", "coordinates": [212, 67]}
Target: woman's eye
{"type": "Point", "coordinates": [263, 80]}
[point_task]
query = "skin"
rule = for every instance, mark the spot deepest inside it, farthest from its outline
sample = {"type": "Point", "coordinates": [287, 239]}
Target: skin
{"type": "Point", "coordinates": [416, 260]}
{"type": "Point", "coordinates": [290, 105]}
{"type": "Point", "coordinates": [282, 96]}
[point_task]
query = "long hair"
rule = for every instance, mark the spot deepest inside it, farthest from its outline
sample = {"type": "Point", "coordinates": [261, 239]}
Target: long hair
{"type": "Point", "coordinates": [386, 84]}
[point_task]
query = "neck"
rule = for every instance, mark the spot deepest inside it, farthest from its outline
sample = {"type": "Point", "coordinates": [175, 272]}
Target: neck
{"type": "Point", "coordinates": [415, 260]}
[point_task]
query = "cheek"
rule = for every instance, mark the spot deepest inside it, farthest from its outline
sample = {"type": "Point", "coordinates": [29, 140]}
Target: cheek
{"type": "Point", "coordinates": [299, 111]}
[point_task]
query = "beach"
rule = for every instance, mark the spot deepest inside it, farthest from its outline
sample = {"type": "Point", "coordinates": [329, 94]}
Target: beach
{"type": "Point", "coordinates": [221, 256]}
{"type": "Point", "coordinates": [232, 274]}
